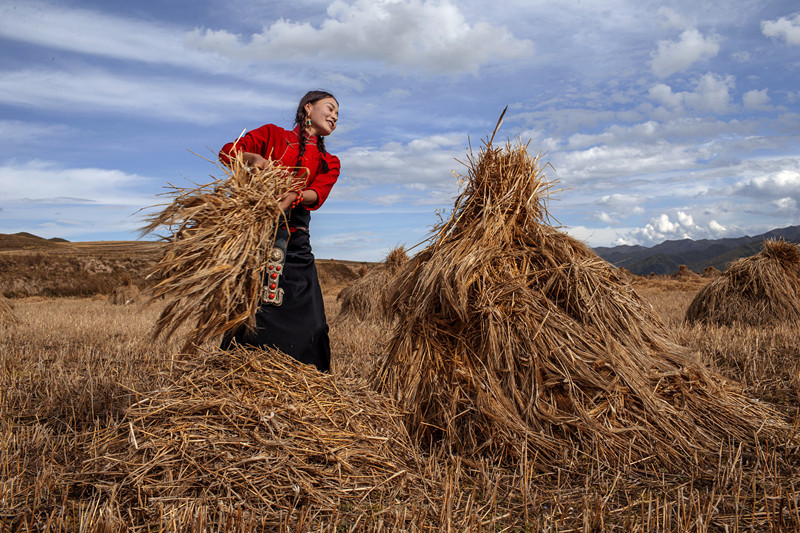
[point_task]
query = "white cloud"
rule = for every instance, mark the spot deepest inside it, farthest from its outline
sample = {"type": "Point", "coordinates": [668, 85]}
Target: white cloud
{"type": "Point", "coordinates": [711, 95]}
{"type": "Point", "coordinates": [681, 225]}
{"type": "Point", "coordinates": [776, 184]}
{"type": "Point", "coordinates": [96, 33]}
{"type": "Point", "coordinates": [671, 18]}
{"type": "Point", "coordinates": [756, 99]}
{"type": "Point", "coordinates": [785, 205]}
{"type": "Point", "coordinates": [717, 228]}
{"type": "Point", "coordinates": [619, 200]}
{"type": "Point", "coordinates": [17, 131]}
{"type": "Point", "coordinates": [619, 205]}
{"type": "Point", "coordinates": [427, 34]}
{"type": "Point", "coordinates": [618, 161]}
{"type": "Point", "coordinates": [93, 91]}
{"type": "Point", "coordinates": [606, 218]}
{"type": "Point", "coordinates": [686, 220]}
{"type": "Point", "coordinates": [677, 56]}
{"type": "Point", "coordinates": [786, 28]}
{"type": "Point", "coordinates": [47, 182]}
{"type": "Point", "coordinates": [426, 162]}
{"type": "Point", "coordinates": [595, 236]}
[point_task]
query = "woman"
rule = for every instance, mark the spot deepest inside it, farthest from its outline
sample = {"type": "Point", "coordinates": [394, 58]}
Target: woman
{"type": "Point", "coordinates": [297, 326]}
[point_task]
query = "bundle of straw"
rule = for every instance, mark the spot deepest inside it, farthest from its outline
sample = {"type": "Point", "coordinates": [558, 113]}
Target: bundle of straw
{"type": "Point", "coordinates": [256, 435]}
{"type": "Point", "coordinates": [221, 234]}
{"type": "Point", "coordinates": [760, 290]}
{"type": "Point", "coordinates": [517, 339]}
{"type": "Point", "coordinates": [364, 298]}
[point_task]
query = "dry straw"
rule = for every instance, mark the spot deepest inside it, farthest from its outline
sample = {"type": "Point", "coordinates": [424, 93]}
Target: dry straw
{"type": "Point", "coordinates": [517, 339]}
{"type": "Point", "coordinates": [124, 294]}
{"type": "Point", "coordinates": [252, 437]}
{"type": "Point", "coordinates": [760, 290]}
{"type": "Point", "coordinates": [211, 274]}
{"type": "Point", "coordinates": [684, 273]}
{"type": "Point", "coordinates": [365, 298]}
{"type": "Point", "coordinates": [7, 315]}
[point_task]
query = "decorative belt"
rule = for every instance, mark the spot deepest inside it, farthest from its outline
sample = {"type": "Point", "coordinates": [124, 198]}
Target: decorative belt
{"type": "Point", "coordinates": [271, 293]}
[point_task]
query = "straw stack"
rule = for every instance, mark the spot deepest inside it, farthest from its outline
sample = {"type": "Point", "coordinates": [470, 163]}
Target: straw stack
{"type": "Point", "coordinates": [517, 339]}
{"type": "Point", "coordinates": [760, 290]}
{"type": "Point", "coordinates": [685, 274]}
{"type": "Point", "coordinates": [365, 298]}
{"type": "Point", "coordinates": [124, 294]}
{"type": "Point", "coordinates": [254, 436]}
{"type": "Point", "coordinates": [211, 274]}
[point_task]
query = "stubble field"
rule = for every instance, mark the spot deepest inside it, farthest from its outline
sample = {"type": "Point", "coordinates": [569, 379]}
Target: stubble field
{"type": "Point", "coordinates": [74, 365]}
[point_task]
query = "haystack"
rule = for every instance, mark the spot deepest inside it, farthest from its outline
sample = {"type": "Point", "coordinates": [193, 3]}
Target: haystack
{"type": "Point", "coordinates": [711, 272]}
{"type": "Point", "coordinates": [365, 298]}
{"type": "Point", "coordinates": [760, 290]}
{"type": "Point", "coordinates": [250, 437]}
{"type": "Point", "coordinates": [7, 316]}
{"type": "Point", "coordinates": [685, 274]}
{"type": "Point", "coordinates": [517, 339]}
{"type": "Point", "coordinates": [124, 294]}
{"type": "Point", "coordinates": [220, 234]}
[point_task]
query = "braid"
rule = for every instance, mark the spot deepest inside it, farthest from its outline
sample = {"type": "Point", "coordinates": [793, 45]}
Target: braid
{"type": "Point", "coordinates": [300, 118]}
{"type": "Point", "coordinates": [322, 152]}
{"type": "Point", "coordinates": [302, 148]}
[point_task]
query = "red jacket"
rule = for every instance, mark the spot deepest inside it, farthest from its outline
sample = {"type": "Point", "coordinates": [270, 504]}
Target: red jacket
{"type": "Point", "coordinates": [278, 144]}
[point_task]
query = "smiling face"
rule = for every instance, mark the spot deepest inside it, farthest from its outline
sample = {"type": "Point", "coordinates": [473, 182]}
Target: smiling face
{"type": "Point", "coordinates": [323, 114]}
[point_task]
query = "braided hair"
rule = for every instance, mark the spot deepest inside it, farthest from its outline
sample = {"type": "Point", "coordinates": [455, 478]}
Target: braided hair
{"type": "Point", "coordinates": [300, 120]}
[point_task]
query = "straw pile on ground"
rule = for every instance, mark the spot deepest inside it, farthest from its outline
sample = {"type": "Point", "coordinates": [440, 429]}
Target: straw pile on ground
{"type": "Point", "coordinates": [366, 297]}
{"type": "Point", "coordinates": [252, 437]}
{"type": "Point", "coordinates": [685, 274]}
{"type": "Point", "coordinates": [124, 294]}
{"type": "Point", "coordinates": [760, 290]}
{"type": "Point", "coordinates": [518, 340]}
{"type": "Point", "coordinates": [7, 316]}
{"type": "Point", "coordinates": [211, 274]}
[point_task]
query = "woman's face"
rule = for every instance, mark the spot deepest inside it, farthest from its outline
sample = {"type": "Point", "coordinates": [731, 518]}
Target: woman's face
{"type": "Point", "coordinates": [323, 114]}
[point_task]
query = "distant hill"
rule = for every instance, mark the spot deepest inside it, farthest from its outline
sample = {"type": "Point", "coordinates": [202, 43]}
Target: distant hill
{"type": "Point", "coordinates": [26, 241]}
{"type": "Point", "coordinates": [665, 258]}
{"type": "Point", "coordinates": [34, 266]}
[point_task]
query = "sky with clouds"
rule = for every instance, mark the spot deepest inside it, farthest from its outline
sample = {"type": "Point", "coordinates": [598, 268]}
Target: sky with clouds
{"type": "Point", "coordinates": [661, 120]}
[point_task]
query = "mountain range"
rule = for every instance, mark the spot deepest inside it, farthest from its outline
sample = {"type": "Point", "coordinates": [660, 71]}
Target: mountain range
{"type": "Point", "coordinates": [667, 257]}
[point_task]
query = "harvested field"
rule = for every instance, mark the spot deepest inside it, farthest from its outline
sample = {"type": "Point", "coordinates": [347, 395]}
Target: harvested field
{"type": "Point", "coordinates": [76, 371]}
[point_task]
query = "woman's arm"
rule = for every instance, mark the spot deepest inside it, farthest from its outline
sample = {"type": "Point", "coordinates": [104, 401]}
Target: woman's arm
{"type": "Point", "coordinates": [310, 197]}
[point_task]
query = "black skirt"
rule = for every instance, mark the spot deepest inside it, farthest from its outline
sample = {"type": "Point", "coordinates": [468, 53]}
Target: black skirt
{"type": "Point", "coordinates": [298, 326]}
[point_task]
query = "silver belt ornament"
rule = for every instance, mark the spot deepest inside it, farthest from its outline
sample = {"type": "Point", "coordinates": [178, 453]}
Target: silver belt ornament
{"type": "Point", "coordinates": [272, 294]}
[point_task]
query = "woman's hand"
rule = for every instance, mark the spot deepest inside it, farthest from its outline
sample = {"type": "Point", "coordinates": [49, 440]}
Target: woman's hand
{"type": "Point", "coordinates": [255, 160]}
{"type": "Point", "coordinates": [288, 199]}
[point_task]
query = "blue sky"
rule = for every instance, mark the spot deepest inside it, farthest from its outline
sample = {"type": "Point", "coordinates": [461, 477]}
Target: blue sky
{"type": "Point", "coordinates": [661, 120]}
